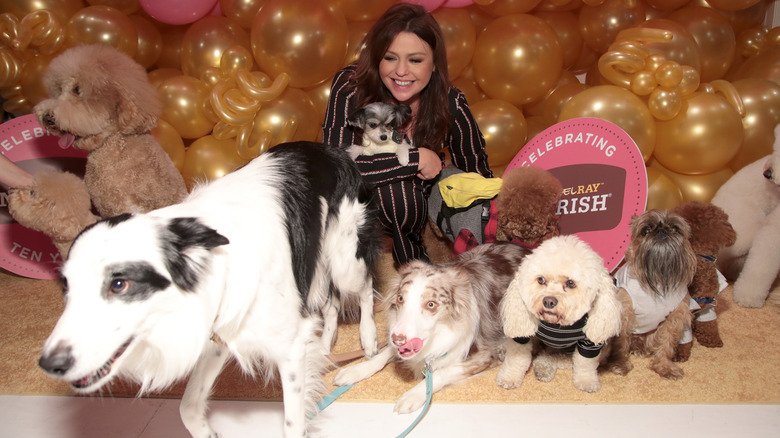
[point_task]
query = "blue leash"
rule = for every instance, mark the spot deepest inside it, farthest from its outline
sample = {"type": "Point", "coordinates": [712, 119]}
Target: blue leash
{"type": "Point", "coordinates": [427, 372]}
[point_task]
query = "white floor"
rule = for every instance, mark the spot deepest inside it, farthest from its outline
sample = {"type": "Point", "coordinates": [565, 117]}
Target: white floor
{"type": "Point", "coordinates": [75, 417]}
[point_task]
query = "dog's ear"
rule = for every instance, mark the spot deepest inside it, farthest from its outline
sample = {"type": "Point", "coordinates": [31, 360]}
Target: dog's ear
{"type": "Point", "coordinates": [186, 244]}
{"type": "Point", "coordinates": [518, 322]}
{"type": "Point", "coordinates": [138, 106]}
{"type": "Point", "coordinates": [357, 118]}
{"type": "Point", "coordinates": [604, 317]}
{"type": "Point", "coordinates": [402, 114]}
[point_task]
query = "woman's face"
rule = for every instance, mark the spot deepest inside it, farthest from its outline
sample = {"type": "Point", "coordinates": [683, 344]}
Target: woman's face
{"type": "Point", "coordinates": [406, 68]}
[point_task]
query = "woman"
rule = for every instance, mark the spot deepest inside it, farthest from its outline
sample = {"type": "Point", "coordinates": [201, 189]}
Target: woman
{"type": "Point", "coordinates": [404, 61]}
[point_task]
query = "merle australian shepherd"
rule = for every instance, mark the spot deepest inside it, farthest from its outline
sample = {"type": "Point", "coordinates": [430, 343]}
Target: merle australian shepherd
{"type": "Point", "coordinates": [243, 268]}
{"type": "Point", "coordinates": [445, 317]}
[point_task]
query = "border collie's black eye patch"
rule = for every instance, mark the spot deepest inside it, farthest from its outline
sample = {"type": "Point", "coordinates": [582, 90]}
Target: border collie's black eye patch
{"type": "Point", "coordinates": [139, 281]}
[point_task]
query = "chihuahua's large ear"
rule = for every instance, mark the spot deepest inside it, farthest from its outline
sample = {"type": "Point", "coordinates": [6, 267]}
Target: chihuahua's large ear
{"type": "Point", "coordinates": [402, 114]}
{"type": "Point", "coordinates": [604, 318]}
{"type": "Point", "coordinates": [518, 322]}
{"type": "Point", "coordinates": [357, 118]}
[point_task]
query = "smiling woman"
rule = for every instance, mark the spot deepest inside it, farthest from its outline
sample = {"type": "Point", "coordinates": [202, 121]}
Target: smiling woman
{"type": "Point", "coordinates": [404, 61]}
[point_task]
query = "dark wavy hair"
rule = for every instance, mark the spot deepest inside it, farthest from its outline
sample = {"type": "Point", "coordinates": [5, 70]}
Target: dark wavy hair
{"type": "Point", "coordinates": [431, 130]}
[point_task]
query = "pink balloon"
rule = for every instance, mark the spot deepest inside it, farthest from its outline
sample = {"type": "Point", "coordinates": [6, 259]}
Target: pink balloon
{"type": "Point", "coordinates": [177, 12]}
{"type": "Point", "coordinates": [217, 9]}
{"type": "Point", "coordinates": [457, 3]}
{"type": "Point", "coordinates": [429, 5]}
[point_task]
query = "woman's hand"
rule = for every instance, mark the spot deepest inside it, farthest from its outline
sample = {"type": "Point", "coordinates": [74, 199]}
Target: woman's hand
{"type": "Point", "coordinates": [430, 164]}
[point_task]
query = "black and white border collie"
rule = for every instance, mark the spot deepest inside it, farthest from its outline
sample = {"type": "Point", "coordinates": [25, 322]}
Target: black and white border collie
{"type": "Point", "coordinates": [242, 268]}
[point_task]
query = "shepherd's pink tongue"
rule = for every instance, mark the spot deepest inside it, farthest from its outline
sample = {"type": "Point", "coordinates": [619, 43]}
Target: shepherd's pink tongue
{"type": "Point", "coordinates": [411, 347]}
{"type": "Point", "coordinates": [66, 140]}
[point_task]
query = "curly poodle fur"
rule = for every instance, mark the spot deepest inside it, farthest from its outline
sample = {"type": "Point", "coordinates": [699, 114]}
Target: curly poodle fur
{"type": "Point", "coordinates": [710, 232]}
{"type": "Point", "coordinates": [526, 206]}
{"type": "Point", "coordinates": [56, 204]}
{"type": "Point", "coordinates": [101, 101]}
{"type": "Point", "coordinates": [751, 199]}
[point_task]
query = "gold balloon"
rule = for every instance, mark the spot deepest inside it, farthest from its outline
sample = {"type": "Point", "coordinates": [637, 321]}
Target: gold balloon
{"type": "Point", "coordinates": [32, 84]}
{"type": "Point", "coordinates": [702, 138]}
{"type": "Point", "coordinates": [64, 9]}
{"type": "Point", "coordinates": [304, 38]}
{"type": "Point", "coordinates": [536, 124]}
{"type": "Point", "coordinates": [320, 96]}
{"type": "Point", "coordinates": [172, 37]}
{"type": "Point", "coordinates": [242, 12]}
{"type": "Point", "coordinates": [566, 27]}
{"type": "Point", "coordinates": [761, 98]}
{"type": "Point", "coordinates": [158, 76]}
{"type": "Point", "coordinates": [714, 36]}
{"type": "Point", "coordinates": [504, 128]}
{"type": "Point", "coordinates": [664, 104]}
{"type": "Point", "coordinates": [208, 159]}
{"type": "Point", "coordinates": [558, 99]}
{"type": "Point", "coordinates": [206, 40]}
{"type": "Point", "coordinates": [662, 192]}
{"type": "Point", "coordinates": [732, 5]}
{"type": "Point", "coordinates": [681, 49]}
{"type": "Point", "coordinates": [600, 24]}
{"type": "Point", "coordinates": [744, 19]}
{"type": "Point", "coordinates": [697, 187]}
{"type": "Point", "coordinates": [517, 59]}
{"type": "Point", "coordinates": [126, 6]}
{"type": "Point", "coordinates": [171, 142]}
{"type": "Point", "coordinates": [619, 106]}
{"type": "Point", "coordinates": [469, 88]}
{"type": "Point", "coordinates": [357, 32]}
{"type": "Point", "coordinates": [149, 41]}
{"type": "Point", "coordinates": [185, 106]}
{"type": "Point", "coordinates": [766, 65]}
{"type": "Point", "coordinates": [643, 83]}
{"type": "Point", "coordinates": [500, 8]}
{"type": "Point", "coordinates": [537, 108]}
{"type": "Point", "coordinates": [103, 24]}
{"type": "Point", "coordinates": [588, 58]}
{"type": "Point", "coordinates": [666, 4]}
{"type": "Point", "coordinates": [292, 105]}
{"type": "Point", "coordinates": [559, 5]}
{"type": "Point", "coordinates": [362, 10]}
{"type": "Point", "coordinates": [459, 36]}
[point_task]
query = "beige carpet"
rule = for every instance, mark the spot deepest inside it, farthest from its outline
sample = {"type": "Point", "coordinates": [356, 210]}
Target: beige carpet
{"type": "Point", "coordinates": [745, 370]}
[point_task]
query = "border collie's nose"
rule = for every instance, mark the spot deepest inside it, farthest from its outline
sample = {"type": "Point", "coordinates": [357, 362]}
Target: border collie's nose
{"type": "Point", "coordinates": [399, 339]}
{"type": "Point", "coordinates": [768, 174]}
{"type": "Point", "coordinates": [58, 362]}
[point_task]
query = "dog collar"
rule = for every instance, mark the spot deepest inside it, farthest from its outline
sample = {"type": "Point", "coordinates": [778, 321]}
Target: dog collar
{"type": "Point", "coordinates": [709, 258]}
{"type": "Point", "coordinates": [398, 137]}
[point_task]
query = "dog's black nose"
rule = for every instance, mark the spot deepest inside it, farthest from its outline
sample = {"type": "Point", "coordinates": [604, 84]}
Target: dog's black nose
{"type": "Point", "coordinates": [549, 302]}
{"type": "Point", "coordinates": [57, 362]}
{"type": "Point", "coordinates": [48, 118]}
{"type": "Point", "coordinates": [768, 174]}
{"type": "Point", "coordinates": [383, 137]}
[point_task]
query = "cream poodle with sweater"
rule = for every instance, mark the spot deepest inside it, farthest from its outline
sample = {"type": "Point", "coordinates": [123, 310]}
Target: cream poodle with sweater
{"type": "Point", "coordinates": [562, 310]}
{"type": "Point", "coordinates": [751, 198]}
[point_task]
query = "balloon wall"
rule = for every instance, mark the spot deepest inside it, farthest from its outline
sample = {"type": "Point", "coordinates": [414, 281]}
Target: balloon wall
{"type": "Point", "coordinates": [695, 83]}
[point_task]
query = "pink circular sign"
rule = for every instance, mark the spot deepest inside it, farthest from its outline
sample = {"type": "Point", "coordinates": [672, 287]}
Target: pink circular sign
{"type": "Point", "coordinates": [603, 176]}
{"type": "Point", "coordinates": [24, 251]}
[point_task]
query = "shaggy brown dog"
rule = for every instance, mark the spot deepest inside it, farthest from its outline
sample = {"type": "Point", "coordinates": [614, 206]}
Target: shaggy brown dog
{"type": "Point", "coordinates": [57, 204]}
{"type": "Point", "coordinates": [526, 206]}
{"type": "Point", "coordinates": [710, 231]}
{"type": "Point", "coordinates": [101, 101]}
{"type": "Point", "coordinates": [660, 264]}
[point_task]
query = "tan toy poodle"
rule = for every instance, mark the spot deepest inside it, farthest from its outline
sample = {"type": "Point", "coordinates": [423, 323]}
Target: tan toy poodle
{"type": "Point", "coordinates": [101, 101]}
{"type": "Point", "coordinates": [56, 204]}
{"type": "Point", "coordinates": [563, 309]}
{"type": "Point", "coordinates": [710, 232]}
